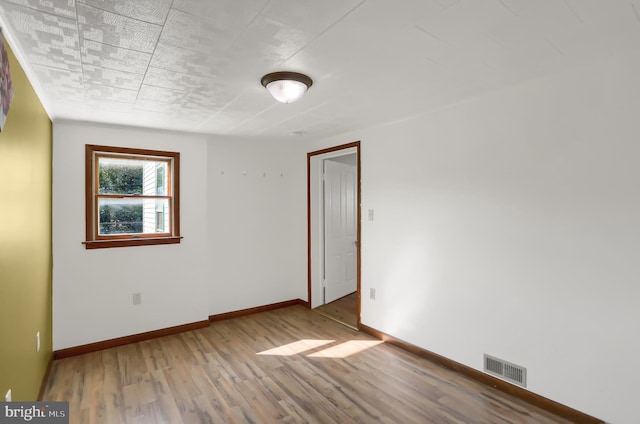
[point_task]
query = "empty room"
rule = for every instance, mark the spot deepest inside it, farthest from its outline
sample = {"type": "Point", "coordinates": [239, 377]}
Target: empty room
{"type": "Point", "coordinates": [288, 211]}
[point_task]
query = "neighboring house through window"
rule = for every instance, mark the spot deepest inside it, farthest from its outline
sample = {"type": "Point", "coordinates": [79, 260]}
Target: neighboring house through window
{"type": "Point", "coordinates": [132, 197]}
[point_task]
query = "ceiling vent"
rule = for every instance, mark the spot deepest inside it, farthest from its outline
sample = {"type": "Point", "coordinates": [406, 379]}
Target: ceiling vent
{"type": "Point", "coordinates": [512, 373]}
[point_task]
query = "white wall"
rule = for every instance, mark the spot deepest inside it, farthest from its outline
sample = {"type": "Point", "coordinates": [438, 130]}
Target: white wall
{"type": "Point", "coordinates": [257, 224]}
{"type": "Point", "coordinates": [92, 289]}
{"type": "Point", "coordinates": [351, 159]}
{"type": "Point", "coordinates": [508, 225]}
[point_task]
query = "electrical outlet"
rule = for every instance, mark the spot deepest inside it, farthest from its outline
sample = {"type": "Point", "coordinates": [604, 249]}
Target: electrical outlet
{"type": "Point", "coordinates": [7, 397]}
{"type": "Point", "coordinates": [370, 214]}
{"type": "Point", "coordinates": [137, 298]}
{"type": "Point", "coordinates": [38, 341]}
{"type": "Point", "coordinates": [372, 294]}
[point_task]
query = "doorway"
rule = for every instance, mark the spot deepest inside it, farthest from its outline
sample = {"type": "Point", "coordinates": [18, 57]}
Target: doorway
{"type": "Point", "coordinates": [333, 216]}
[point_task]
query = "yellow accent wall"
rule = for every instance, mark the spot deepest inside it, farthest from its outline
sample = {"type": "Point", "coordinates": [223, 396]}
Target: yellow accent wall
{"type": "Point", "coordinates": [25, 241]}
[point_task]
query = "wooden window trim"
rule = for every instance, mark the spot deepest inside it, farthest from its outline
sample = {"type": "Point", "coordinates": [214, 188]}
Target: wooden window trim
{"type": "Point", "coordinates": [93, 240]}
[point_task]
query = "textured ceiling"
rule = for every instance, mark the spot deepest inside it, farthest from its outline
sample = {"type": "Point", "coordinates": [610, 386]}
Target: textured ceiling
{"type": "Point", "coordinates": [195, 65]}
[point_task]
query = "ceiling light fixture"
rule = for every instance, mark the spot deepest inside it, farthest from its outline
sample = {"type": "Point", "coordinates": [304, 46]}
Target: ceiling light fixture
{"type": "Point", "coordinates": [286, 87]}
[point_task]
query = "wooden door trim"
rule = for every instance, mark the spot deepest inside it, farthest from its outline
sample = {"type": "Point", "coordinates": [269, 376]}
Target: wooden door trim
{"type": "Point", "coordinates": [355, 144]}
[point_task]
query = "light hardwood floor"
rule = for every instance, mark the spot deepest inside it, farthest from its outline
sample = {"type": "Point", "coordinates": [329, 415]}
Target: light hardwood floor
{"type": "Point", "coordinates": [343, 310]}
{"type": "Point", "coordinates": [290, 365]}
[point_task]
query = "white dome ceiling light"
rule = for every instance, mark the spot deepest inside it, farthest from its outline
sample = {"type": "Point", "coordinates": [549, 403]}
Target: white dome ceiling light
{"type": "Point", "coordinates": [286, 87]}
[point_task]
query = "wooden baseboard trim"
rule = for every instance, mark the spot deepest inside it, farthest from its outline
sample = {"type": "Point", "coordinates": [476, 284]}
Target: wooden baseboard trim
{"type": "Point", "coordinates": [45, 379]}
{"type": "Point", "coordinates": [255, 310]}
{"type": "Point", "coordinates": [525, 395]}
{"type": "Point", "coordinates": [303, 303]}
{"type": "Point", "coordinates": [120, 341]}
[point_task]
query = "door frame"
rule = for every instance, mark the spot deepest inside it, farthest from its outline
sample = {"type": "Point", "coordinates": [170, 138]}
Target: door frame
{"type": "Point", "coordinates": [313, 201]}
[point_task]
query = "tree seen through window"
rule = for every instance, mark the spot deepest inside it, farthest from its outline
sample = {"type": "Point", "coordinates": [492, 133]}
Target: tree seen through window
{"type": "Point", "coordinates": [122, 216]}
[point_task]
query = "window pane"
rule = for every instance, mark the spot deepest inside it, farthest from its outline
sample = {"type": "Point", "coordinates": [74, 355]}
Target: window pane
{"type": "Point", "coordinates": [154, 178]}
{"type": "Point", "coordinates": [120, 176]}
{"type": "Point", "coordinates": [120, 216]}
{"type": "Point", "coordinates": [161, 178]}
{"type": "Point", "coordinates": [156, 216]}
{"type": "Point", "coordinates": [133, 216]}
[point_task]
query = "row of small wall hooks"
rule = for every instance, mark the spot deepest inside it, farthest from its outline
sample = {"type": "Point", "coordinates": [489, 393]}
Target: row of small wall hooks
{"type": "Point", "coordinates": [244, 173]}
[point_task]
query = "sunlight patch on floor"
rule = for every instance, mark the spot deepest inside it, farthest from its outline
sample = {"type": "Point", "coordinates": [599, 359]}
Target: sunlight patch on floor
{"type": "Point", "coordinates": [296, 347]}
{"type": "Point", "coordinates": [345, 349]}
{"type": "Point", "coordinates": [340, 350]}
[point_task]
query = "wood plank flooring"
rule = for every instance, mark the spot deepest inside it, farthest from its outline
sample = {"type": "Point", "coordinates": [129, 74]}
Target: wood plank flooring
{"type": "Point", "coordinates": [343, 310]}
{"type": "Point", "coordinates": [290, 365]}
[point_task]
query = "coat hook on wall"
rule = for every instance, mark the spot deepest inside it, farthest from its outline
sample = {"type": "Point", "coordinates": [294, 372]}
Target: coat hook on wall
{"type": "Point", "coordinates": [282, 174]}
{"type": "Point", "coordinates": [264, 174]}
{"type": "Point", "coordinates": [221, 172]}
{"type": "Point", "coordinates": [244, 173]}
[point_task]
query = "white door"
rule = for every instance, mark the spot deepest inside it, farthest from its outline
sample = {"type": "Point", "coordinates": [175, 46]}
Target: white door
{"type": "Point", "coordinates": [340, 230]}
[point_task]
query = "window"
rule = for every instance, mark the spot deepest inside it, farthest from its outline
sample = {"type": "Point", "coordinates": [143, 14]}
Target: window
{"type": "Point", "coordinates": [132, 197]}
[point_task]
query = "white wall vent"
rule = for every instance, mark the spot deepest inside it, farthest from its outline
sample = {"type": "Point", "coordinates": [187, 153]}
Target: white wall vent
{"type": "Point", "coordinates": [507, 371]}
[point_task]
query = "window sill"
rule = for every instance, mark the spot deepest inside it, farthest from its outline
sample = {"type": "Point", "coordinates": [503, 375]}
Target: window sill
{"type": "Point", "coordinates": [103, 244]}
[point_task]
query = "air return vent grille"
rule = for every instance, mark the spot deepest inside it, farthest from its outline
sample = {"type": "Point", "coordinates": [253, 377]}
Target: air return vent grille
{"type": "Point", "coordinates": [512, 373]}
